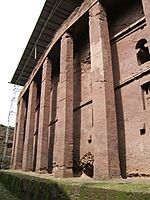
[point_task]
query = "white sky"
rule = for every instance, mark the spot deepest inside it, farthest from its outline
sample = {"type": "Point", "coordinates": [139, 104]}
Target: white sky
{"type": "Point", "coordinates": [17, 20]}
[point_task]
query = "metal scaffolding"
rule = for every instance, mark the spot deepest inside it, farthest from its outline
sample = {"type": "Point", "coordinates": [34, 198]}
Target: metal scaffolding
{"type": "Point", "coordinates": [11, 119]}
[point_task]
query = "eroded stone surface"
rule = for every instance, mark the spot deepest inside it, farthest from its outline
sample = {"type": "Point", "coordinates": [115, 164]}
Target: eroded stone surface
{"type": "Point", "coordinates": [97, 97]}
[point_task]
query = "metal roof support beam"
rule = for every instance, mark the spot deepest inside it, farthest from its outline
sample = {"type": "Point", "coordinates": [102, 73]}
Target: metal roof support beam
{"type": "Point", "coordinates": [75, 16]}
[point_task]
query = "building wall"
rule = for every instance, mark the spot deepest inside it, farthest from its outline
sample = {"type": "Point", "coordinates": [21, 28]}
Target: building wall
{"type": "Point", "coordinates": [6, 162]}
{"type": "Point", "coordinates": [94, 124]}
{"type": "Point", "coordinates": [131, 117]}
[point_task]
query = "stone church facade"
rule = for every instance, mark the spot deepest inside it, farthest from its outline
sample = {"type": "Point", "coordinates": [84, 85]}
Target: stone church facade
{"type": "Point", "coordinates": [85, 104]}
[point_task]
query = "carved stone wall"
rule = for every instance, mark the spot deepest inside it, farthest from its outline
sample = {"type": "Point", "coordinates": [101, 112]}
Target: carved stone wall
{"type": "Point", "coordinates": [9, 145]}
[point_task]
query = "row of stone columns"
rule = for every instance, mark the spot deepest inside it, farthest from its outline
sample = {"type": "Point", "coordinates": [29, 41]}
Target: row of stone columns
{"type": "Point", "coordinates": [23, 149]}
{"type": "Point", "coordinates": [106, 161]}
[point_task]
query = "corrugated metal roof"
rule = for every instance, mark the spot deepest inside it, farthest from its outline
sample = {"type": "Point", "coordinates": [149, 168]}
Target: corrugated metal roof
{"type": "Point", "coordinates": [46, 26]}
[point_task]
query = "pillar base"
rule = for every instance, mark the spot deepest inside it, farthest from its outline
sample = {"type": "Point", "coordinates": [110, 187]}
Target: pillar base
{"type": "Point", "coordinates": [63, 172]}
{"type": "Point", "coordinates": [42, 171]}
{"type": "Point", "coordinates": [16, 167]}
{"type": "Point", "coordinates": [98, 175]}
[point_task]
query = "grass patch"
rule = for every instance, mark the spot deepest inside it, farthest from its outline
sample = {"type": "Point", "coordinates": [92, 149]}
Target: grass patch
{"type": "Point", "coordinates": [26, 187]}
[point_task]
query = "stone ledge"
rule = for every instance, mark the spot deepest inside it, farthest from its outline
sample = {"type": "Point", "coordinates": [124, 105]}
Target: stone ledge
{"type": "Point", "coordinates": [28, 186]}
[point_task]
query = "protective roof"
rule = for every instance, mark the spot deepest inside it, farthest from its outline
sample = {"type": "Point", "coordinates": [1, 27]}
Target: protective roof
{"type": "Point", "coordinates": [53, 14]}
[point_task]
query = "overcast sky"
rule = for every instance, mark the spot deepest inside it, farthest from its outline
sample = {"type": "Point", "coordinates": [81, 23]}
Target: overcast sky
{"type": "Point", "coordinates": [17, 20]}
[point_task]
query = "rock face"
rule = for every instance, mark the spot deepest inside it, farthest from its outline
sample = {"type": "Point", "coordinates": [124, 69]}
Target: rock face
{"type": "Point", "coordinates": [9, 145]}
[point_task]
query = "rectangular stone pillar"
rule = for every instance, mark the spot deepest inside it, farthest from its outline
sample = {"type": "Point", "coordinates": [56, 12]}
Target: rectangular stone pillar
{"type": "Point", "coordinates": [105, 139]}
{"type": "Point", "coordinates": [27, 164]}
{"type": "Point", "coordinates": [14, 137]}
{"type": "Point", "coordinates": [65, 109]}
{"type": "Point", "coordinates": [17, 162]}
{"type": "Point", "coordinates": [146, 9]}
{"type": "Point", "coordinates": [35, 139]}
{"type": "Point", "coordinates": [42, 146]}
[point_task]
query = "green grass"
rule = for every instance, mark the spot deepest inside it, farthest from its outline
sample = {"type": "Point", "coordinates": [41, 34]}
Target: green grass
{"type": "Point", "coordinates": [32, 186]}
{"type": "Point", "coordinates": [5, 194]}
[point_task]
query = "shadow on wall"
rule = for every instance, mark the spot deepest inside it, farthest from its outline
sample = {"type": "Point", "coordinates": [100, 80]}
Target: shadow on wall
{"type": "Point", "coordinates": [77, 120]}
{"type": "Point", "coordinates": [119, 111]}
{"type": "Point", "coordinates": [80, 34]}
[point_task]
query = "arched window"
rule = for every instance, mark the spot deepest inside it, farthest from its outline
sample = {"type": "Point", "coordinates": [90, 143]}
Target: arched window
{"type": "Point", "coordinates": [142, 51]}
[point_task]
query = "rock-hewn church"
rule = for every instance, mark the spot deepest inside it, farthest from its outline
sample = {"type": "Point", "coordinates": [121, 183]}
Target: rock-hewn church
{"type": "Point", "coordinates": [85, 102]}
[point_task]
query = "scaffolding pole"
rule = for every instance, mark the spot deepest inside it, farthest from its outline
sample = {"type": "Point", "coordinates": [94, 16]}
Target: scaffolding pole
{"type": "Point", "coordinates": [12, 113]}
